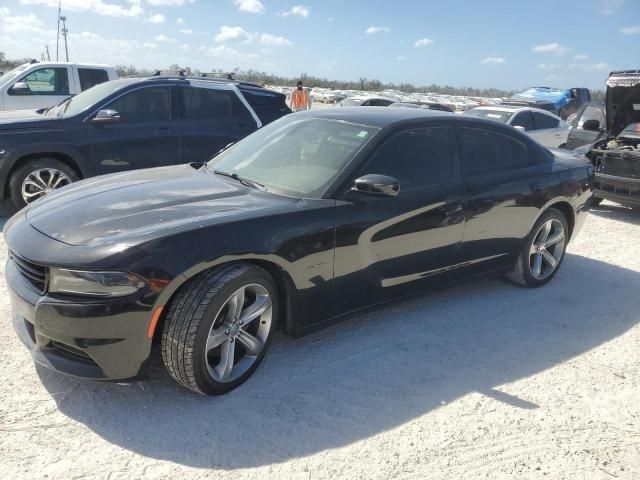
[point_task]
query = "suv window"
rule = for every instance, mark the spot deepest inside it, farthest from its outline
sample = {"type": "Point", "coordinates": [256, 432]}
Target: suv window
{"type": "Point", "coordinates": [91, 76]}
{"type": "Point", "coordinates": [417, 158]}
{"type": "Point", "coordinates": [484, 151]}
{"type": "Point", "coordinates": [592, 112]}
{"type": "Point", "coordinates": [150, 104]}
{"type": "Point", "coordinates": [48, 81]}
{"type": "Point", "coordinates": [268, 105]}
{"type": "Point", "coordinates": [523, 119]}
{"type": "Point", "coordinates": [206, 103]}
{"type": "Point", "coordinates": [544, 121]}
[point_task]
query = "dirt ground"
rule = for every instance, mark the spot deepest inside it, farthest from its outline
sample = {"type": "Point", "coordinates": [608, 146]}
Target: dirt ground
{"type": "Point", "coordinates": [485, 380]}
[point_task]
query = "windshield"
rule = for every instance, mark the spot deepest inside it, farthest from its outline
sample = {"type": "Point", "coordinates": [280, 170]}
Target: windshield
{"type": "Point", "coordinates": [351, 102]}
{"type": "Point", "coordinates": [7, 77]}
{"type": "Point", "coordinates": [496, 115]}
{"type": "Point", "coordinates": [293, 156]}
{"type": "Point", "coordinates": [85, 100]}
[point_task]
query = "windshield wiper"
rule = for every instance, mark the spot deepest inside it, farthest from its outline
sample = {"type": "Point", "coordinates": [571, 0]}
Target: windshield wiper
{"type": "Point", "coordinates": [242, 180]}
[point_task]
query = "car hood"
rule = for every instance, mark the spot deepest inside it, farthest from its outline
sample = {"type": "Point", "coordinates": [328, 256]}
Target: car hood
{"type": "Point", "coordinates": [623, 101]}
{"type": "Point", "coordinates": [13, 119]}
{"type": "Point", "coordinates": [129, 208]}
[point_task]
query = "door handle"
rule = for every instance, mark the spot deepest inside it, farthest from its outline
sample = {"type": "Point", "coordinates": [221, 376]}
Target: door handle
{"type": "Point", "coordinates": [535, 187]}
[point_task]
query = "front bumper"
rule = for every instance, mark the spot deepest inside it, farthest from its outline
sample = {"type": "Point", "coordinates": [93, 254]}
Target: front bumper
{"type": "Point", "coordinates": [102, 340]}
{"type": "Point", "coordinates": [622, 190]}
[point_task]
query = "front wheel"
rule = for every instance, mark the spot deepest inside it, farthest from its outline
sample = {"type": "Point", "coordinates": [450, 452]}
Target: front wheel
{"type": "Point", "coordinates": [38, 178]}
{"type": "Point", "coordinates": [543, 250]}
{"type": "Point", "coordinates": [218, 328]}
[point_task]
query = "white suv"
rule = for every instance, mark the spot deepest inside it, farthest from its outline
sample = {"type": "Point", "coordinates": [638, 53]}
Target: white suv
{"type": "Point", "coordinates": [37, 85]}
{"type": "Point", "coordinates": [545, 127]}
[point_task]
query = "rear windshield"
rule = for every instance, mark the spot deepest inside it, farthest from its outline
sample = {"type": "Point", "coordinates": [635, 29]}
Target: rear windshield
{"type": "Point", "coordinates": [495, 115]}
{"type": "Point", "coordinates": [351, 102]}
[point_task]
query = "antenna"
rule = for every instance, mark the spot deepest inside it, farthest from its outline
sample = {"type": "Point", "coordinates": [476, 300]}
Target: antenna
{"type": "Point", "coordinates": [58, 34]}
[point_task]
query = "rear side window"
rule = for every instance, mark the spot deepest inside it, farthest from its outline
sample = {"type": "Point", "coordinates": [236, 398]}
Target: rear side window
{"type": "Point", "coordinates": [543, 121]}
{"type": "Point", "coordinates": [47, 81]}
{"type": "Point", "coordinates": [417, 158]}
{"type": "Point", "coordinates": [523, 119]}
{"type": "Point", "coordinates": [484, 151]}
{"type": "Point", "coordinates": [269, 106]}
{"type": "Point", "coordinates": [151, 104]}
{"type": "Point", "coordinates": [91, 76]}
{"type": "Point", "coordinates": [201, 103]}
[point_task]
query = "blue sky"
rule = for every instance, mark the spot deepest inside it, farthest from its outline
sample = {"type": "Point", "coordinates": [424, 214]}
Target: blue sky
{"type": "Point", "coordinates": [493, 43]}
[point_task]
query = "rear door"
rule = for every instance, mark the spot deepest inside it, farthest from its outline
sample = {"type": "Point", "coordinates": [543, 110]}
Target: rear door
{"type": "Point", "coordinates": [145, 136]}
{"type": "Point", "coordinates": [578, 135]}
{"type": "Point", "coordinates": [389, 246]}
{"type": "Point", "coordinates": [547, 130]}
{"type": "Point", "coordinates": [210, 119]}
{"type": "Point", "coordinates": [505, 187]}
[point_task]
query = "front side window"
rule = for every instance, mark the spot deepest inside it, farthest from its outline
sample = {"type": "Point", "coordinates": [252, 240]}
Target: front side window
{"type": "Point", "coordinates": [417, 158]}
{"type": "Point", "coordinates": [591, 112]}
{"type": "Point", "coordinates": [47, 81]}
{"type": "Point", "coordinates": [151, 104]}
{"type": "Point", "coordinates": [543, 121]}
{"type": "Point", "coordinates": [524, 120]}
{"type": "Point", "coordinates": [484, 151]}
{"type": "Point", "coordinates": [293, 156]}
{"type": "Point", "coordinates": [91, 76]}
{"type": "Point", "coordinates": [202, 103]}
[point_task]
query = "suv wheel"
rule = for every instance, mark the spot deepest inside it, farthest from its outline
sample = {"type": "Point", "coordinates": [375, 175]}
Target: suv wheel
{"type": "Point", "coordinates": [37, 178]}
{"type": "Point", "coordinates": [543, 250]}
{"type": "Point", "coordinates": [218, 328]}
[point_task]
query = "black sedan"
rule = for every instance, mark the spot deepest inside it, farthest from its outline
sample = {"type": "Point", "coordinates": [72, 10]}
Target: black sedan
{"type": "Point", "coordinates": [313, 216]}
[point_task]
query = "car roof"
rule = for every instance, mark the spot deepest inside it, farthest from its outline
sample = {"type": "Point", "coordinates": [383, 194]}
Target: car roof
{"type": "Point", "coordinates": [514, 109]}
{"type": "Point", "coordinates": [376, 116]}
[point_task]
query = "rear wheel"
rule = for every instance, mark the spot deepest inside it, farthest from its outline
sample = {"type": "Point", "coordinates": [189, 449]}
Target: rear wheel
{"type": "Point", "coordinates": [218, 328]}
{"type": "Point", "coordinates": [38, 178]}
{"type": "Point", "coordinates": [543, 250]}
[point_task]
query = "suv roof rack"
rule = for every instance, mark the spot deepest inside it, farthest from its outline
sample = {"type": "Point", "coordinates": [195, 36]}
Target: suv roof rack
{"type": "Point", "coordinates": [181, 76]}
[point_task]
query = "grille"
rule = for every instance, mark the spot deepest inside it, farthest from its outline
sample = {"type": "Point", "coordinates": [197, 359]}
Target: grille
{"type": "Point", "coordinates": [35, 274]}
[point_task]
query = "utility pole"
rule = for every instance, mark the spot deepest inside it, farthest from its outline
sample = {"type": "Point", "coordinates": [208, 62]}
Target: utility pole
{"type": "Point", "coordinates": [58, 34]}
{"type": "Point", "coordinates": [64, 34]}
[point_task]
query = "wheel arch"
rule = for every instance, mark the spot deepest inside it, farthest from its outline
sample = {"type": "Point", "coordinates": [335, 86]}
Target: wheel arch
{"type": "Point", "coordinates": [287, 293]}
{"type": "Point", "coordinates": [567, 210]}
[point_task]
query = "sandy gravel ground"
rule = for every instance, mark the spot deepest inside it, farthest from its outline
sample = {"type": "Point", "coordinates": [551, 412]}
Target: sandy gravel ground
{"type": "Point", "coordinates": [486, 380]}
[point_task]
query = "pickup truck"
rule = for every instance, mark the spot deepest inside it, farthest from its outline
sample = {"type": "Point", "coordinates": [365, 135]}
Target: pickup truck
{"type": "Point", "coordinates": [37, 85]}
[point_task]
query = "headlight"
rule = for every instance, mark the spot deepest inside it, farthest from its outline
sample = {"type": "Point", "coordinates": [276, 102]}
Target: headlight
{"type": "Point", "coordinates": [94, 284]}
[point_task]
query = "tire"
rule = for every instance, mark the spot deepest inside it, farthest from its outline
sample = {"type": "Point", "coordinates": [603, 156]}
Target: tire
{"type": "Point", "coordinates": [525, 271]}
{"type": "Point", "coordinates": [53, 173]}
{"type": "Point", "coordinates": [596, 201]}
{"type": "Point", "coordinates": [201, 315]}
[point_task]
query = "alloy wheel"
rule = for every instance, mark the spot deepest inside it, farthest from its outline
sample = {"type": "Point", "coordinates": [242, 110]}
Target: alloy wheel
{"type": "Point", "coordinates": [41, 182]}
{"type": "Point", "coordinates": [547, 249]}
{"type": "Point", "coordinates": [238, 333]}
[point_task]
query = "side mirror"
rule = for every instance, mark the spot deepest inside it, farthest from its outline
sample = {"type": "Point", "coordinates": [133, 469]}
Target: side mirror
{"type": "Point", "coordinates": [105, 117]}
{"type": "Point", "coordinates": [20, 88]}
{"type": "Point", "coordinates": [591, 125]}
{"type": "Point", "coordinates": [379, 185]}
{"type": "Point", "coordinates": [520, 128]}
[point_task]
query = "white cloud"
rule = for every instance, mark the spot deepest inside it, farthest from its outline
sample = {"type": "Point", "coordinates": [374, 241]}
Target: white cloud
{"type": "Point", "coordinates": [186, 31]}
{"type": "Point", "coordinates": [554, 48]}
{"type": "Point", "coordinates": [20, 23]}
{"type": "Point", "coordinates": [230, 57]}
{"type": "Point", "coordinates": [99, 7]}
{"type": "Point", "coordinates": [149, 44]}
{"type": "Point", "coordinates": [330, 19]}
{"type": "Point", "coordinates": [236, 34]}
{"type": "Point", "coordinates": [548, 66]}
{"type": "Point", "coordinates": [609, 7]}
{"type": "Point", "coordinates": [250, 6]}
{"type": "Point", "coordinates": [423, 42]}
{"type": "Point", "coordinates": [635, 29]}
{"type": "Point", "coordinates": [164, 38]}
{"type": "Point", "coordinates": [274, 41]}
{"type": "Point", "coordinates": [373, 30]}
{"type": "Point", "coordinates": [581, 56]}
{"type": "Point", "coordinates": [591, 67]}
{"type": "Point", "coordinates": [298, 10]}
{"type": "Point", "coordinates": [156, 18]}
{"type": "Point", "coordinates": [494, 60]}
{"type": "Point", "coordinates": [553, 78]}
{"type": "Point", "coordinates": [4, 11]}
{"type": "Point", "coordinates": [402, 58]}
{"type": "Point", "coordinates": [169, 3]}
{"type": "Point", "coordinates": [180, 21]}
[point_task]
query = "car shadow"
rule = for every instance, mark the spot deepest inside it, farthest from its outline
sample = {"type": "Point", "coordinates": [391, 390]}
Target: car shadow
{"type": "Point", "coordinates": [368, 374]}
{"type": "Point", "coordinates": [614, 211]}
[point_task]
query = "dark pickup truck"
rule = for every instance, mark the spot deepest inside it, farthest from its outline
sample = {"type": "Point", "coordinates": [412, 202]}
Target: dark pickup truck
{"type": "Point", "coordinates": [126, 124]}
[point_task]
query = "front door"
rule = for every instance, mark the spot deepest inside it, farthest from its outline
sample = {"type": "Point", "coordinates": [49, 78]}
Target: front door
{"type": "Point", "coordinates": [578, 136]}
{"type": "Point", "coordinates": [145, 136]}
{"type": "Point", "coordinates": [46, 87]}
{"type": "Point", "coordinates": [389, 246]}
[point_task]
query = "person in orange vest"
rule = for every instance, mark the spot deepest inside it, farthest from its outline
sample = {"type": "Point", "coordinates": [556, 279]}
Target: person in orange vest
{"type": "Point", "coordinates": [299, 98]}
